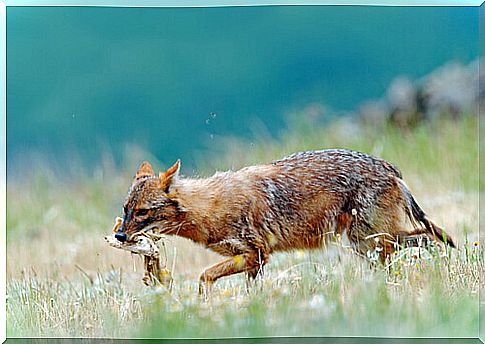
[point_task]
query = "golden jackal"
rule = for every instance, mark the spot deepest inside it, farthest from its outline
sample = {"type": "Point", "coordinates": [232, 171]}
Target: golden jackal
{"type": "Point", "coordinates": [298, 202]}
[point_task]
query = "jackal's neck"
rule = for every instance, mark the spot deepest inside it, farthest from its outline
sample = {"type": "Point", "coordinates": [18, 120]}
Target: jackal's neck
{"type": "Point", "coordinates": [200, 201]}
{"type": "Point", "coordinates": [211, 204]}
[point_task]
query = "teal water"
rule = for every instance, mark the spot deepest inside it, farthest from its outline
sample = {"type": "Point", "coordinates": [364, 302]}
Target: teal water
{"type": "Point", "coordinates": [84, 80]}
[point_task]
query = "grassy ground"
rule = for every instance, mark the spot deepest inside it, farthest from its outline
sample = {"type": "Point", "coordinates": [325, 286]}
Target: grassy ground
{"type": "Point", "coordinates": [63, 280]}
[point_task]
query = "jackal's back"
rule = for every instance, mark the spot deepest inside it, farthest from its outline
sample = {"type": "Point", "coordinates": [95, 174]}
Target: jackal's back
{"type": "Point", "coordinates": [308, 196]}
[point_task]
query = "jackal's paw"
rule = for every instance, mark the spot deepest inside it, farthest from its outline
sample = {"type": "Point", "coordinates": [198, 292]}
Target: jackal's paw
{"type": "Point", "coordinates": [204, 288]}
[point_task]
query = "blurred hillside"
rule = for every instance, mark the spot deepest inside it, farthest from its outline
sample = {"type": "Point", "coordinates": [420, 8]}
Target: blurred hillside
{"type": "Point", "coordinates": [451, 90]}
{"type": "Point", "coordinates": [448, 96]}
{"type": "Point", "coordinates": [86, 82]}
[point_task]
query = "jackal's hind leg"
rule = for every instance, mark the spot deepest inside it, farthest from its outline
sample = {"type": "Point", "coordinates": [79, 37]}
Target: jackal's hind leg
{"type": "Point", "coordinates": [417, 238]}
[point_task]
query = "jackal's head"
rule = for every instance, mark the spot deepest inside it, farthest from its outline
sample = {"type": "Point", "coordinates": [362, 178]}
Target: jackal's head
{"type": "Point", "coordinates": [150, 204]}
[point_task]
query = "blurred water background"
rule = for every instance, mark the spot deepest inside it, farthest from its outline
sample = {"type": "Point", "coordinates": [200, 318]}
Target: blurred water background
{"type": "Point", "coordinates": [87, 83]}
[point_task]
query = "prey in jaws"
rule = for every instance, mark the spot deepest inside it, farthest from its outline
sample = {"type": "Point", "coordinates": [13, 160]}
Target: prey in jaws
{"type": "Point", "coordinates": [298, 202]}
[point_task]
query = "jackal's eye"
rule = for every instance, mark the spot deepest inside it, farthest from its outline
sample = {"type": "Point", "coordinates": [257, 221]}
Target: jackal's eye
{"type": "Point", "coordinates": [142, 212]}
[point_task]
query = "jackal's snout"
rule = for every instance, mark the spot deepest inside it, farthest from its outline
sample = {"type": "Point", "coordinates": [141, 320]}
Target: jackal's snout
{"type": "Point", "coordinates": [121, 236]}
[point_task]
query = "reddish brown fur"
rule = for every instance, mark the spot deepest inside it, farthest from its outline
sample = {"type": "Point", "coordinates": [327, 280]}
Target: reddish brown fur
{"type": "Point", "coordinates": [299, 202]}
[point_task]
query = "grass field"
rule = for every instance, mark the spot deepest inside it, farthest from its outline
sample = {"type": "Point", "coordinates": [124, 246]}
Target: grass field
{"type": "Point", "coordinates": [63, 280]}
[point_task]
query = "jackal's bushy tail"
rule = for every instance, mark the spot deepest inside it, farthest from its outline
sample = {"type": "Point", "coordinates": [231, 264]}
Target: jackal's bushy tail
{"type": "Point", "coordinates": [419, 218]}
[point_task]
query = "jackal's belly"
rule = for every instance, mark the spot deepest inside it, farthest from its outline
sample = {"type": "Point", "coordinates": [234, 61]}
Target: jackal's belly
{"type": "Point", "coordinates": [300, 236]}
{"type": "Point", "coordinates": [301, 243]}
{"type": "Point", "coordinates": [270, 239]}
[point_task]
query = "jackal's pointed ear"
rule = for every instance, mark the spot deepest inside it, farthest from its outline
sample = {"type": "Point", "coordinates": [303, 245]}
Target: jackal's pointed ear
{"type": "Point", "coordinates": [145, 170]}
{"type": "Point", "coordinates": [169, 176]}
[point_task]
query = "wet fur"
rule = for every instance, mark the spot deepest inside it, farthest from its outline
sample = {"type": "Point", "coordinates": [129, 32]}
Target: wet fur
{"type": "Point", "coordinates": [298, 202]}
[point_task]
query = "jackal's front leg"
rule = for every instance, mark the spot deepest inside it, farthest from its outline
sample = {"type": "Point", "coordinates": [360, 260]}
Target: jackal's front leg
{"type": "Point", "coordinates": [247, 262]}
